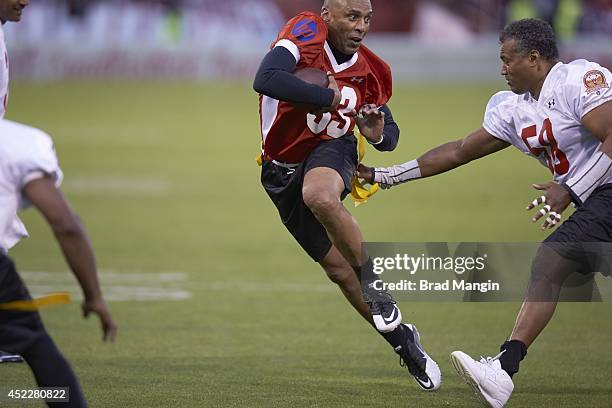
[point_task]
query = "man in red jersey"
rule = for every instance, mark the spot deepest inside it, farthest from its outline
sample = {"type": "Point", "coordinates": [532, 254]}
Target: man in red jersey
{"type": "Point", "coordinates": [309, 158]}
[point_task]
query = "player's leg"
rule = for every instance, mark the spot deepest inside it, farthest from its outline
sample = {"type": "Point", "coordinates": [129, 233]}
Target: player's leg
{"type": "Point", "coordinates": [491, 378]}
{"type": "Point", "coordinates": [322, 192]}
{"type": "Point", "coordinates": [340, 272]}
{"type": "Point", "coordinates": [559, 257]}
{"type": "Point", "coordinates": [567, 252]}
{"type": "Point", "coordinates": [328, 172]}
{"type": "Point", "coordinates": [51, 369]}
{"type": "Point", "coordinates": [549, 271]}
{"type": "Point", "coordinates": [23, 333]}
{"type": "Point", "coordinates": [405, 339]}
{"type": "Point", "coordinates": [284, 187]}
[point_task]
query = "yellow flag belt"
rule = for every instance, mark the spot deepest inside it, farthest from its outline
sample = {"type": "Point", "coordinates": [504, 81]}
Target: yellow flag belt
{"type": "Point", "coordinates": [35, 304]}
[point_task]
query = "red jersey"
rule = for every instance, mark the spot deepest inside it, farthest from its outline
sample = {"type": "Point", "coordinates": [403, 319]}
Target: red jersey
{"type": "Point", "coordinates": [290, 133]}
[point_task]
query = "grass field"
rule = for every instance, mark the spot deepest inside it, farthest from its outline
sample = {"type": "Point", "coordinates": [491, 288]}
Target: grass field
{"type": "Point", "coordinates": [165, 179]}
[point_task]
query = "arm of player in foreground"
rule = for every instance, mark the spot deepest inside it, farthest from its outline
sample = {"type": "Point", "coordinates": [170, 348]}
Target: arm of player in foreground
{"type": "Point", "coordinates": [599, 168]}
{"type": "Point", "coordinates": [438, 160]}
{"type": "Point", "coordinates": [75, 245]}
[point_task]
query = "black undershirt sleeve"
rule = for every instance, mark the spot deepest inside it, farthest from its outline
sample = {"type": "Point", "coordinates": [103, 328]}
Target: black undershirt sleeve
{"type": "Point", "coordinates": [391, 132]}
{"type": "Point", "coordinates": [274, 79]}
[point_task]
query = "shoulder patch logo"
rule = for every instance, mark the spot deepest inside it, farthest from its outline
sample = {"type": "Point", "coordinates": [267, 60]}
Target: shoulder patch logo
{"type": "Point", "coordinates": [594, 81]}
{"type": "Point", "coordinates": [305, 30]}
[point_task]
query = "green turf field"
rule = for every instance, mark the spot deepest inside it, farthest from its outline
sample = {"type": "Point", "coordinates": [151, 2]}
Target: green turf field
{"type": "Point", "coordinates": [165, 179]}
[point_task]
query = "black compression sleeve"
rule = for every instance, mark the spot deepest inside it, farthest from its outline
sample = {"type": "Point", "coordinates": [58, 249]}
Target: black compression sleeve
{"type": "Point", "coordinates": [275, 80]}
{"type": "Point", "coordinates": [391, 132]}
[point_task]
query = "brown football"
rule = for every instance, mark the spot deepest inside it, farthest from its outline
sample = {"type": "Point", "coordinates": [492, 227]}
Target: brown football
{"type": "Point", "coordinates": [313, 76]}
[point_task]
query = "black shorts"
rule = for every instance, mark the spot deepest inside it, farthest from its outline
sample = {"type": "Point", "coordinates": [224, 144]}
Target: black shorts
{"type": "Point", "coordinates": [284, 186]}
{"type": "Point", "coordinates": [586, 236]}
{"type": "Point", "coordinates": [18, 330]}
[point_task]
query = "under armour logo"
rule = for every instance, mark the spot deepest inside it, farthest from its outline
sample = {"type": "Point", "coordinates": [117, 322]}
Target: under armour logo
{"type": "Point", "coordinates": [356, 79]}
{"type": "Point", "coordinates": [551, 103]}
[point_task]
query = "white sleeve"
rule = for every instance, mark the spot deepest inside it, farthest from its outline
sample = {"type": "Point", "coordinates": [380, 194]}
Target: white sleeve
{"type": "Point", "coordinates": [498, 117]}
{"type": "Point", "coordinates": [289, 46]}
{"type": "Point", "coordinates": [38, 161]}
{"type": "Point", "coordinates": [595, 89]}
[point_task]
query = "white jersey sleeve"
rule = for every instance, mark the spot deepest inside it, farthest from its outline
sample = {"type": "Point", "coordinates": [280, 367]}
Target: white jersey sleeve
{"type": "Point", "coordinates": [26, 154]}
{"type": "Point", "coordinates": [498, 120]}
{"type": "Point", "coordinates": [587, 87]}
{"type": "Point", "coordinates": [591, 82]}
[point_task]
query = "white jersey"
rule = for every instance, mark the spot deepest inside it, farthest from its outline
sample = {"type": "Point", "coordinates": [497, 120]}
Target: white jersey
{"type": "Point", "coordinates": [4, 74]}
{"type": "Point", "coordinates": [550, 128]}
{"type": "Point", "coordinates": [26, 154]}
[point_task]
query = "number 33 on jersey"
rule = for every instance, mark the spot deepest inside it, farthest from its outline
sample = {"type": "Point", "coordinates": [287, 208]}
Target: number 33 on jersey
{"type": "Point", "coordinates": [289, 133]}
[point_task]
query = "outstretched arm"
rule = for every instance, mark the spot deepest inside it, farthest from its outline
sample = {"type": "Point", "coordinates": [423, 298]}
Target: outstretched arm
{"type": "Point", "coordinates": [438, 160]}
{"type": "Point", "coordinates": [75, 245]}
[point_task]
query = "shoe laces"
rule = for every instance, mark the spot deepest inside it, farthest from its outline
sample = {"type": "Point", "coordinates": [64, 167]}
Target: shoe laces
{"type": "Point", "coordinates": [406, 360]}
{"type": "Point", "coordinates": [489, 360]}
{"type": "Point", "coordinates": [412, 367]}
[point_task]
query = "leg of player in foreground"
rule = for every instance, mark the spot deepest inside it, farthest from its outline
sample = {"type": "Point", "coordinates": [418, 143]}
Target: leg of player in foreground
{"type": "Point", "coordinates": [405, 339]}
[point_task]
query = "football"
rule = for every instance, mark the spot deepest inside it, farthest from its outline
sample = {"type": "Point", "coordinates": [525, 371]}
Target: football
{"type": "Point", "coordinates": [313, 76]}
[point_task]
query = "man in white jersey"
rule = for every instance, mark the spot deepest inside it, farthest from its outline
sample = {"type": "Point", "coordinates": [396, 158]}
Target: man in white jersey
{"type": "Point", "coordinates": [560, 114]}
{"type": "Point", "coordinates": [30, 175]}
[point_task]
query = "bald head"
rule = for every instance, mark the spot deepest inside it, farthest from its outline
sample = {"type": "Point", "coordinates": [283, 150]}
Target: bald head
{"type": "Point", "coordinates": [348, 22]}
{"type": "Point", "coordinates": [329, 4]}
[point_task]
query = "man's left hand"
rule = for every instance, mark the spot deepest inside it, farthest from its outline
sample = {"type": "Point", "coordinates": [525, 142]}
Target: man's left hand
{"type": "Point", "coordinates": [555, 200]}
{"type": "Point", "coordinates": [370, 121]}
{"type": "Point", "coordinates": [98, 306]}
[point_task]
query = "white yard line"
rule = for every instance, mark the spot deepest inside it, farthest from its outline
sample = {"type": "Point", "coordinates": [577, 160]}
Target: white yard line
{"type": "Point", "coordinates": [118, 185]}
{"type": "Point", "coordinates": [117, 286]}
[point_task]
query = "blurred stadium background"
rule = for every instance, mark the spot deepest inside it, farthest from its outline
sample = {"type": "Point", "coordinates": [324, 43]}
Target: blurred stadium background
{"type": "Point", "coordinates": [156, 127]}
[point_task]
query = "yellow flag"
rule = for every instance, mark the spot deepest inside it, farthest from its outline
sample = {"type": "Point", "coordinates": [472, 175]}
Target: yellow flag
{"type": "Point", "coordinates": [360, 192]}
{"type": "Point", "coordinates": [35, 304]}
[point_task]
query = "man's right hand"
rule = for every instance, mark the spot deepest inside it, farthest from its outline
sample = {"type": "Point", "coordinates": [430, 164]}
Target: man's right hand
{"type": "Point", "coordinates": [366, 173]}
{"type": "Point", "coordinates": [98, 306]}
{"type": "Point", "coordinates": [333, 85]}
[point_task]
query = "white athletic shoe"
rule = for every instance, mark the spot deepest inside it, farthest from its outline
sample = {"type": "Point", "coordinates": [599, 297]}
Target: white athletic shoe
{"type": "Point", "coordinates": [490, 383]}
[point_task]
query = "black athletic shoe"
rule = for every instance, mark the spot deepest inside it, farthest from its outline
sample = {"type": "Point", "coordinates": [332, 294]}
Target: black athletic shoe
{"type": "Point", "coordinates": [412, 356]}
{"type": "Point", "coordinates": [10, 358]}
{"type": "Point", "coordinates": [385, 313]}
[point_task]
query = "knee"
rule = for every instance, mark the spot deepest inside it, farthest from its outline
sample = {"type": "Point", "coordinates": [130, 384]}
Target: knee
{"type": "Point", "coordinates": [320, 202]}
{"type": "Point", "coordinates": [339, 276]}
{"type": "Point", "coordinates": [340, 273]}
